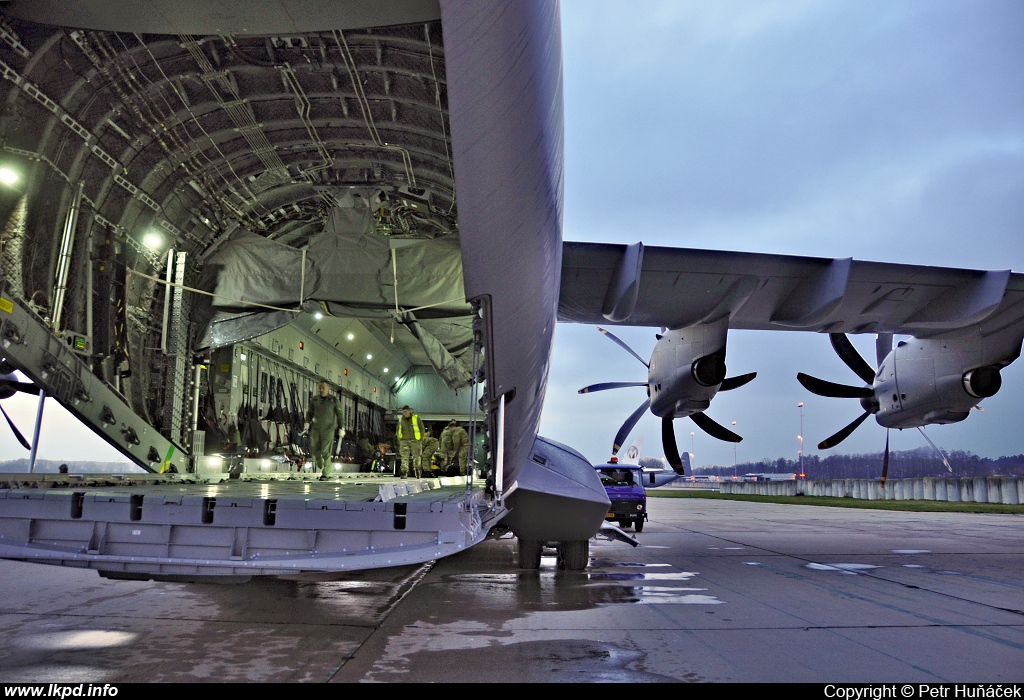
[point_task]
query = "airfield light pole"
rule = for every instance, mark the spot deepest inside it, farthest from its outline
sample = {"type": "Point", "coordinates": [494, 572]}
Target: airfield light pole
{"type": "Point", "coordinates": [734, 453]}
{"type": "Point", "coordinates": [691, 451]}
{"type": "Point", "coordinates": [801, 436]}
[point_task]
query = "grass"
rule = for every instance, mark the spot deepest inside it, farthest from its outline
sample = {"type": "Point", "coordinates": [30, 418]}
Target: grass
{"type": "Point", "coordinates": [912, 506]}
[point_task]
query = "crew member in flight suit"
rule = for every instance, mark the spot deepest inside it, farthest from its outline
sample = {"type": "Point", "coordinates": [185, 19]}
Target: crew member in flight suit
{"type": "Point", "coordinates": [323, 419]}
{"type": "Point", "coordinates": [455, 441]}
{"type": "Point", "coordinates": [410, 442]}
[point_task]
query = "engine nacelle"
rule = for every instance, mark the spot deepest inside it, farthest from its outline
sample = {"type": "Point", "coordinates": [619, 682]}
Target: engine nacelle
{"type": "Point", "coordinates": [935, 380]}
{"type": "Point", "coordinates": [687, 368]}
{"type": "Point", "coordinates": [982, 382]}
{"type": "Point", "coordinates": [7, 378]}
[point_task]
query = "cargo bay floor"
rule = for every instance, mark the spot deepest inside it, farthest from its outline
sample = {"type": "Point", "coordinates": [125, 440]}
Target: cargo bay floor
{"type": "Point", "coordinates": [718, 591]}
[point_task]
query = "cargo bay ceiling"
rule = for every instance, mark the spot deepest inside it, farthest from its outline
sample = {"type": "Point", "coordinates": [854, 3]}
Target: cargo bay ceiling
{"type": "Point", "coordinates": [241, 134]}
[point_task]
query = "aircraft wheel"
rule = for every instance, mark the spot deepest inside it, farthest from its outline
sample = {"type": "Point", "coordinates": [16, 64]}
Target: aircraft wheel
{"type": "Point", "coordinates": [574, 555]}
{"type": "Point", "coordinates": [529, 553]}
{"type": "Point", "coordinates": [639, 524]}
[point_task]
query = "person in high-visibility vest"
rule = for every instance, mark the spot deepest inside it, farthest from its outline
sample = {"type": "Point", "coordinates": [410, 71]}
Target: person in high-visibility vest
{"type": "Point", "coordinates": [410, 442]}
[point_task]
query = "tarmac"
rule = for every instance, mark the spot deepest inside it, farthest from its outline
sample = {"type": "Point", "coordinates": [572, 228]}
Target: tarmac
{"type": "Point", "coordinates": [718, 591]}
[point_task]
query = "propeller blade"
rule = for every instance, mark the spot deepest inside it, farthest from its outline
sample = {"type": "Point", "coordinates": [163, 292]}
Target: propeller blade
{"type": "Point", "coordinates": [23, 387]}
{"type": "Point", "coordinates": [842, 434]}
{"type": "Point", "coordinates": [936, 448]}
{"type": "Point", "coordinates": [714, 429]}
{"type": "Point", "coordinates": [17, 433]}
{"type": "Point", "coordinates": [731, 383]}
{"type": "Point", "coordinates": [608, 385]}
{"type": "Point", "coordinates": [668, 443]}
{"type": "Point", "coordinates": [883, 346]}
{"type": "Point", "coordinates": [885, 459]}
{"type": "Point", "coordinates": [833, 390]}
{"type": "Point", "coordinates": [620, 437]}
{"type": "Point", "coordinates": [614, 339]}
{"type": "Point", "coordinates": [848, 354]}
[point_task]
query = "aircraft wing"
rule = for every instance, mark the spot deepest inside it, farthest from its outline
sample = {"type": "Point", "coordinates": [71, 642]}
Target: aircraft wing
{"type": "Point", "coordinates": [638, 285]}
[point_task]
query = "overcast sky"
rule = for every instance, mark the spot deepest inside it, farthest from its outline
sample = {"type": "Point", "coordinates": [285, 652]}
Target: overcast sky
{"type": "Point", "coordinates": [889, 131]}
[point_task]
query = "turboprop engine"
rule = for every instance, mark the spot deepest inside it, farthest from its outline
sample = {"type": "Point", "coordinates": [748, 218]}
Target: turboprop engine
{"type": "Point", "coordinates": [9, 385]}
{"type": "Point", "coordinates": [919, 382]}
{"type": "Point", "coordinates": [686, 370]}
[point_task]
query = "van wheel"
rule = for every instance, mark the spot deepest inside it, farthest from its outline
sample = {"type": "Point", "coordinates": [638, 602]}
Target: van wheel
{"type": "Point", "coordinates": [574, 555]}
{"type": "Point", "coordinates": [639, 524]}
{"type": "Point", "coordinates": [529, 553]}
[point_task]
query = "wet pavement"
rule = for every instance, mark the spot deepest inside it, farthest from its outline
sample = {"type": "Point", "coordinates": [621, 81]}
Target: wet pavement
{"type": "Point", "coordinates": [719, 591]}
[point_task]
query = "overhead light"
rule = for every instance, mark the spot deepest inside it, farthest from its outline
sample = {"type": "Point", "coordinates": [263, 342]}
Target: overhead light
{"type": "Point", "coordinates": [369, 357]}
{"type": "Point", "coordinates": [242, 357]}
{"type": "Point", "coordinates": [8, 176]}
{"type": "Point", "coordinates": [385, 370]}
{"type": "Point", "coordinates": [350, 336]}
{"type": "Point", "coordinates": [318, 315]}
{"type": "Point", "coordinates": [153, 240]}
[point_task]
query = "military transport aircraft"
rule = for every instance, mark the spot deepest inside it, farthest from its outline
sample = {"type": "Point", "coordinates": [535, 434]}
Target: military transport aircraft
{"type": "Point", "coordinates": [275, 178]}
{"type": "Point", "coordinates": [656, 471]}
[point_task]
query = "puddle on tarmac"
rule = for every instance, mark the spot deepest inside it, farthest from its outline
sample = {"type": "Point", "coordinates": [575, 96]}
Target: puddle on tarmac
{"type": "Point", "coordinates": [911, 551]}
{"type": "Point", "coordinates": [609, 563]}
{"type": "Point", "coordinates": [551, 588]}
{"type": "Point", "coordinates": [753, 563]}
{"type": "Point", "coordinates": [54, 674]}
{"type": "Point", "coordinates": [76, 639]}
{"type": "Point", "coordinates": [676, 576]}
{"type": "Point", "coordinates": [550, 661]}
{"type": "Point", "coordinates": [844, 568]}
{"type": "Point", "coordinates": [676, 599]}
{"type": "Point", "coordinates": [914, 566]}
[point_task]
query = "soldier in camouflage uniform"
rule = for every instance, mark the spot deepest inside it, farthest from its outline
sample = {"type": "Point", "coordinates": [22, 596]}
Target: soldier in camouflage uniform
{"type": "Point", "coordinates": [455, 441]}
{"type": "Point", "coordinates": [410, 442]}
{"type": "Point", "coordinates": [430, 444]}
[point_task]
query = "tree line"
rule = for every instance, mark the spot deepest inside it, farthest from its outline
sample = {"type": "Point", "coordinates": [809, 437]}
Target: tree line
{"type": "Point", "coordinates": [905, 464]}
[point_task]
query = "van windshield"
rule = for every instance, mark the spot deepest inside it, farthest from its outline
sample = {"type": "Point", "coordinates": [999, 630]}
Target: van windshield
{"type": "Point", "coordinates": [617, 477]}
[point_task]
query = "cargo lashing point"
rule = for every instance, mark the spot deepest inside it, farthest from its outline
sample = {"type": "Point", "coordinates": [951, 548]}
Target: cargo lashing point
{"type": "Point", "coordinates": [207, 514]}
{"type": "Point", "coordinates": [400, 512]}
{"type": "Point", "coordinates": [77, 503]}
{"type": "Point", "coordinates": [135, 506]}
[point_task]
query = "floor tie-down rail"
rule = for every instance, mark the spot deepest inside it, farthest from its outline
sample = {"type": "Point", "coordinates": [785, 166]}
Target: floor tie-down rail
{"type": "Point", "coordinates": [179, 531]}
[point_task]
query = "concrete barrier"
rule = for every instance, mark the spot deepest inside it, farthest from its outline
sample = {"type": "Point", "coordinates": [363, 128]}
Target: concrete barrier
{"type": "Point", "coordinates": [1007, 490]}
{"type": "Point", "coordinates": [967, 490]}
{"type": "Point", "coordinates": [992, 487]}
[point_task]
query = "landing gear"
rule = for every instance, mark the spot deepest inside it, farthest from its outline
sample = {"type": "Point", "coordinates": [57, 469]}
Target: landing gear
{"type": "Point", "coordinates": [529, 553]}
{"type": "Point", "coordinates": [574, 555]}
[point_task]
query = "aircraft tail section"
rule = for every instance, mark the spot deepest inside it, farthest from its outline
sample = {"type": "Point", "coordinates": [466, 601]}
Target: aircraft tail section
{"type": "Point", "coordinates": [683, 468]}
